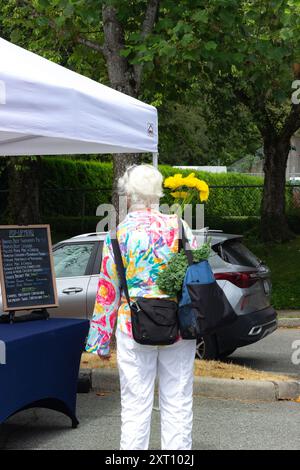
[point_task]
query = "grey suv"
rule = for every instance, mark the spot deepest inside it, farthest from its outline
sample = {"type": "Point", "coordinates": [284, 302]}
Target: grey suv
{"type": "Point", "coordinates": [243, 277]}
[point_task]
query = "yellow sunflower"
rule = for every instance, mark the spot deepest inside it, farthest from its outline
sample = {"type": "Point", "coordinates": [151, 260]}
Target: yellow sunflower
{"type": "Point", "coordinates": [178, 182]}
{"type": "Point", "coordinates": [174, 182]}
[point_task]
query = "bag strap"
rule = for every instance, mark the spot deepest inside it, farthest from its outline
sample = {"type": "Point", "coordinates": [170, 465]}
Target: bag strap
{"type": "Point", "coordinates": [120, 265]}
{"type": "Point", "coordinates": [183, 242]}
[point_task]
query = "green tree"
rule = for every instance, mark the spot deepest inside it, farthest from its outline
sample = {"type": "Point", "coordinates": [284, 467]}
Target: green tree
{"type": "Point", "coordinates": [68, 31]}
{"type": "Point", "coordinates": [238, 56]}
{"type": "Point", "coordinates": [192, 132]}
{"type": "Point", "coordinates": [244, 52]}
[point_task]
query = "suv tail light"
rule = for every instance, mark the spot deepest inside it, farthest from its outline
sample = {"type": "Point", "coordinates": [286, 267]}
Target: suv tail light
{"type": "Point", "coordinates": [243, 279]}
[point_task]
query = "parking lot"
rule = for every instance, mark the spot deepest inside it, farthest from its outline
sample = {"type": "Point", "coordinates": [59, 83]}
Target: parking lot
{"type": "Point", "coordinates": [273, 353]}
{"type": "Point", "coordinates": [218, 424]}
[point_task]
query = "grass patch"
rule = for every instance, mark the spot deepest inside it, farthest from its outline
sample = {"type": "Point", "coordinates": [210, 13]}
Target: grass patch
{"type": "Point", "coordinates": [227, 370]}
{"type": "Point", "coordinates": [92, 361]}
{"type": "Point", "coordinates": [288, 314]}
{"type": "Point", "coordinates": [284, 261]}
{"type": "Point", "coordinates": [216, 369]}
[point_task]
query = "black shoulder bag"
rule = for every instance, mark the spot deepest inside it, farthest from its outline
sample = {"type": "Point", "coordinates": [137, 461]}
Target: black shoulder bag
{"type": "Point", "coordinates": [154, 321]}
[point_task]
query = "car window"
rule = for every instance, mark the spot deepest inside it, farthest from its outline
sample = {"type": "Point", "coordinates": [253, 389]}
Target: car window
{"type": "Point", "coordinates": [215, 261]}
{"type": "Point", "coordinates": [72, 259]}
{"type": "Point", "coordinates": [234, 252]}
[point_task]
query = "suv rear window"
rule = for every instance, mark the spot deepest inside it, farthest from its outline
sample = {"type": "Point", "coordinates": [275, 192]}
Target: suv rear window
{"type": "Point", "coordinates": [234, 252]}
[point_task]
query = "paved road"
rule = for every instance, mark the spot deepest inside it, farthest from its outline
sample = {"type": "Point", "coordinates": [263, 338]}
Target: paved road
{"type": "Point", "coordinates": [218, 424]}
{"type": "Point", "coordinates": [273, 353]}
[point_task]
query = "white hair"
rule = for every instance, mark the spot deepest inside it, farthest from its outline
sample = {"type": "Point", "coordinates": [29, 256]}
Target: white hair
{"type": "Point", "coordinates": [142, 184]}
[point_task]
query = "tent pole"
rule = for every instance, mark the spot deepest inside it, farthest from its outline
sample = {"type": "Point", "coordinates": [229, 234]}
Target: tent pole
{"type": "Point", "coordinates": [155, 159]}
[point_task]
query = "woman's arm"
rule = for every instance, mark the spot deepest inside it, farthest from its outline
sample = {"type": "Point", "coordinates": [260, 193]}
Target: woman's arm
{"type": "Point", "coordinates": [106, 305]}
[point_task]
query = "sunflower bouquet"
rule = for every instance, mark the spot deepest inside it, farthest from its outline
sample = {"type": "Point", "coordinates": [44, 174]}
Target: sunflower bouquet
{"type": "Point", "coordinates": [186, 188]}
{"type": "Point", "coordinates": [184, 191]}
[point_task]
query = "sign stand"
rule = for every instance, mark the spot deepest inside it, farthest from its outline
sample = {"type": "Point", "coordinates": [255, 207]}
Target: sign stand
{"type": "Point", "coordinates": [41, 314]}
{"type": "Point", "coordinates": [9, 318]}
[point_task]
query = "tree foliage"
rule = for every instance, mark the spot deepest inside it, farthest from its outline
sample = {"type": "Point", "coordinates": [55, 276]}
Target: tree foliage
{"type": "Point", "coordinates": [221, 71]}
{"type": "Point", "coordinates": [71, 33]}
{"type": "Point", "coordinates": [243, 52]}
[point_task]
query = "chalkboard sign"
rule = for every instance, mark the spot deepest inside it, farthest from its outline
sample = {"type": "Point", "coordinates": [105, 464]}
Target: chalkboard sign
{"type": "Point", "coordinates": [26, 267]}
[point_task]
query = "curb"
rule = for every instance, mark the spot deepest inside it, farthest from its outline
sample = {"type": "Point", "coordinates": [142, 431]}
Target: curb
{"type": "Point", "coordinates": [209, 387]}
{"type": "Point", "coordinates": [288, 313]}
{"type": "Point", "coordinates": [288, 322]}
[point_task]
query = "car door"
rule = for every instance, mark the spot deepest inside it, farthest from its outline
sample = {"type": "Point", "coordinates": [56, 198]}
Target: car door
{"type": "Point", "coordinates": [72, 268]}
{"type": "Point", "coordinates": [93, 283]}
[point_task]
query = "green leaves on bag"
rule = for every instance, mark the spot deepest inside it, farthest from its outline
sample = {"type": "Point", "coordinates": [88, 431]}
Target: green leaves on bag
{"type": "Point", "coordinates": [170, 280]}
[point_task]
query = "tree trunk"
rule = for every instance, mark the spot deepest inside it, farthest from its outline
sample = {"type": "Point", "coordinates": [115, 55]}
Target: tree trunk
{"type": "Point", "coordinates": [121, 162]}
{"type": "Point", "coordinates": [123, 76]}
{"type": "Point", "coordinates": [274, 226]}
{"type": "Point", "coordinates": [23, 205]}
{"type": "Point", "coordinates": [120, 72]}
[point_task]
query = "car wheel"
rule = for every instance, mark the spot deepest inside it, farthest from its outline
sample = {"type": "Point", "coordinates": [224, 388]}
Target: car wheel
{"type": "Point", "coordinates": [207, 347]}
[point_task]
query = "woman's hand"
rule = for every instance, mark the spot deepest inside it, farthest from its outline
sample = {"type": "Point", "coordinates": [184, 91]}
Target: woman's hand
{"type": "Point", "coordinates": [105, 358]}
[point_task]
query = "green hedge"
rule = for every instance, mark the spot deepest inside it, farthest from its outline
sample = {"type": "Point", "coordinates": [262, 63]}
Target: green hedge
{"type": "Point", "coordinates": [225, 201]}
{"type": "Point", "coordinates": [66, 172]}
{"type": "Point", "coordinates": [234, 224]}
{"type": "Point", "coordinates": [231, 209]}
{"type": "Point", "coordinates": [225, 210]}
{"type": "Point", "coordinates": [59, 175]}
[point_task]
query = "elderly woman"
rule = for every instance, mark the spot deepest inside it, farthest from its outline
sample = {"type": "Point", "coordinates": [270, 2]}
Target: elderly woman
{"type": "Point", "coordinates": [147, 239]}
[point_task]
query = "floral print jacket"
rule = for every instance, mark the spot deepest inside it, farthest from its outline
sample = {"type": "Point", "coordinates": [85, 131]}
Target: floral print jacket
{"type": "Point", "coordinates": [147, 238]}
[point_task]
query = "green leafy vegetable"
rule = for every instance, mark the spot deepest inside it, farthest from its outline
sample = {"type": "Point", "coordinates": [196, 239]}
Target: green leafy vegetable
{"type": "Point", "coordinates": [170, 280]}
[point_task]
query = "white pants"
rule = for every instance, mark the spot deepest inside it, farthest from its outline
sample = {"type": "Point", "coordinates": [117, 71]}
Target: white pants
{"type": "Point", "coordinates": [138, 367]}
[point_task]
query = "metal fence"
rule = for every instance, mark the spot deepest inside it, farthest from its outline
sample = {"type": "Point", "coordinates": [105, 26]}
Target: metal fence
{"type": "Point", "coordinates": [245, 200]}
{"type": "Point", "coordinates": [225, 200]}
{"type": "Point", "coordinates": [69, 202]}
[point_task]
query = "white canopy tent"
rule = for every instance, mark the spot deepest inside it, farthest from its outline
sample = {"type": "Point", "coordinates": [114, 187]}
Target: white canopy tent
{"type": "Point", "coordinates": [46, 109]}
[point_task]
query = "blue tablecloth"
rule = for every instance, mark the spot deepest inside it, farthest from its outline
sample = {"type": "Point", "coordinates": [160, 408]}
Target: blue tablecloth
{"type": "Point", "coordinates": [42, 365]}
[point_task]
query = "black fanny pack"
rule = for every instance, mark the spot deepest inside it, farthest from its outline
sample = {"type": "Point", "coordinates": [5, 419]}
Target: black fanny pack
{"type": "Point", "coordinates": [154, 321]}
